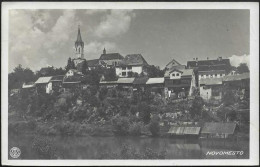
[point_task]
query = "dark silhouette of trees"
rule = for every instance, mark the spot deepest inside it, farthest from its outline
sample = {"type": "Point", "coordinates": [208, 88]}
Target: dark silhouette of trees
{"type": "Point", "coordinates": [19, 76]}
{"type": "Point", "coordinates": [242, 68]}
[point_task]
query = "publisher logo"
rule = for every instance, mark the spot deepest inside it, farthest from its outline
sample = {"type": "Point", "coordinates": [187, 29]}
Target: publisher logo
{"type": "Point", "coordinates": [15, 152]}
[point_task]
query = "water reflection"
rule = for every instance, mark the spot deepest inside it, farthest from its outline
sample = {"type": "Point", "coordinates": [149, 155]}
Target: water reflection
{"type": "Point", "coordinates": [99, 147]}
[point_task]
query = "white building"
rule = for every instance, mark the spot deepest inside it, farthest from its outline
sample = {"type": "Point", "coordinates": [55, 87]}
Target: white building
{"type": "Point", "coordinates": [131, 64]}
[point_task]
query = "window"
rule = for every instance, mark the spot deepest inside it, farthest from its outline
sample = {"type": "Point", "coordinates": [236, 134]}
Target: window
{"type": "Point", "coordinates": [123, 73]}
{"type": "Point", "coordinates": [123, 68]}
{"type": "Point", "coordinates": [177, 74]}
{"type": "Point", "coordinates": [173, 75]}
{"type": "Point", "coordinates": [220, 74]}
{"type": "Point", "coordinates": [129, 68]}
{"type": "Point", "coordinates": [115, 63]}
{"type": "Point", "coordinates": [215, 75]}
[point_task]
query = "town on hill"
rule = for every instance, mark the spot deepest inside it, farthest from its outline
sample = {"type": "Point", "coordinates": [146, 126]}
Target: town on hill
{"type": "Point", "coordinates": [124, 95]}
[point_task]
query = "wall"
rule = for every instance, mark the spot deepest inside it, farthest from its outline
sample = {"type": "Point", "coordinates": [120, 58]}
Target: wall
{"type": "Point", "coordinates": [174, 74]}
{"type": "Point", "coordinates": [134, 69]}
{"type": "Point", "coordinates": [203, 92]}
{"type": "Point", "coordinates": [110, 62]}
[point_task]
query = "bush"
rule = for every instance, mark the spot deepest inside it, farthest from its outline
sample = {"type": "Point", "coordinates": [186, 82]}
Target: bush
{"type": "Point", "coordinates": [144, 111]}
{"type": "Point", "coordinates": [121, 125]}
{"type": "Point", "coordinates": [154, 126]}
{"type": "Point", "coordinates": [135, 128]}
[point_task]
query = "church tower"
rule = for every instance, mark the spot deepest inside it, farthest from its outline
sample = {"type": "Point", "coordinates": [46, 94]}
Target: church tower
{"type": "Point", "coordinates": [79, 46]}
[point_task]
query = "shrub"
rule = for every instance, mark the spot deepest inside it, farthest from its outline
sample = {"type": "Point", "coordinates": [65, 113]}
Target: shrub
{"type": "Point", "coordinates": [121, 125]}
{"type": "Point", "coordinates": [135, 128]}
{"type": "Point", "coordinates": [144, 111]}
{"type": "Point", "coordinates": [154, 126]}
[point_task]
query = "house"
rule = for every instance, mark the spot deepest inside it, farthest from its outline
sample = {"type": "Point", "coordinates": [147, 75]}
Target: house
{"type": "Point", "coordinates": [73, 80]}
{"type": "Point", "coordinates": [57, 82]}
{"type": "Point", "coordinates": [174, 65]}
{"type": "Point", "coordinates": [217, 68]}
{"type": "Point", "coordinates": [73, 72]}
{"type": "Point", "coordinates": [92, 64]}
{"type": "Point", "coordinates": [179, 83]}
{"type": "Point", "coordinates": [240, 82]}
{"type": "Point", "coordinates": [110, 59]}
{"type": "Point", "coordinates": [156, 85]}
{"type": "Point", "coordinates": [131, 64]}
{"type": "Point", "coordinates": [43, 84]}
{"type": "Point", "coordinates": [211, 88]}
{"type": "Point", "coordinates": [218, 129]}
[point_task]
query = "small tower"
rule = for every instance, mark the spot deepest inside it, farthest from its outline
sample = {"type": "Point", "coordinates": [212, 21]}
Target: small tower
{"type": "Point", "coordinates": [104, 51]}
{"type": "Point", "coordinates": [79, 46]}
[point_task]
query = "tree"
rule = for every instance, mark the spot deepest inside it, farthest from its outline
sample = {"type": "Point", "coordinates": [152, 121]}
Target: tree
{"type": "Point", "coordinates": [196, 107]}
{"type": "Point", "coordinates": [153, 71]}
{"type": "Point", "coordinates": [228, 97]}
{"type": "Point", "coordinates": [70, 64]}
{"type": "Point", "coordinates": [84, 67]}
{"type": "Point", "coordinates": [144, 112]}
{"type": "Point", "coordinates": [110, 74]}
{"type": "Point", "coordinates": [242, 68]}
{"type": "Point", "coordinates": [19, 76]}
{"type": "Point", "coordinates": [154, 126]}
{"type": "Point", "coordinates": [121, 125]}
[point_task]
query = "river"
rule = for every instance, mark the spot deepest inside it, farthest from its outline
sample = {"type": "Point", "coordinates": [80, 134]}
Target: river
{"type": "Point", "coordinates": [94, 147]}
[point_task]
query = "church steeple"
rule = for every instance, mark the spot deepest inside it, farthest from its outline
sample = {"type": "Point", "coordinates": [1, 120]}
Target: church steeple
{"type": "Point", "coordinates": [104, 51]}
{"type": "Point", "coordinates": [79, 45]}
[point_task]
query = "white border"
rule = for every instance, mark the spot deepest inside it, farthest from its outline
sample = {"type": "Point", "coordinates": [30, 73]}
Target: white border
{"type": "Point", "coordinates": [254, 80]}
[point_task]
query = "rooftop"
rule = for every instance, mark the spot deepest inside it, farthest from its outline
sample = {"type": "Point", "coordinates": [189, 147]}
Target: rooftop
{"type": "Point", "coordinates": [217, 127]}
{"type": "Point", "coordinates": [197, 63]}
{"type": "Point", "coordinates": [236, 77]}
{"type": "Point", "coordinates": [155, 81]}
{"type": "Point", "coordinates": [92, 63]}
{"type": "Point", "coordinates": [43, 80]}
{"type": "Point", "coordinates": [185, 72]}
{"type": "Point", "coordinates": [57, 78]}
{"type": "Point", "coordinates": [125, 80]}
{"type": "Point", "coordinates": [133, 59]}
{"type": "Point", "coordinates": [111, 56]}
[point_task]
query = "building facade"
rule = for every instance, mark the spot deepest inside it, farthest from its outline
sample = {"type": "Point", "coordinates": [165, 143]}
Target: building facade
{"type": "Point", "coordinates": [131, 65]}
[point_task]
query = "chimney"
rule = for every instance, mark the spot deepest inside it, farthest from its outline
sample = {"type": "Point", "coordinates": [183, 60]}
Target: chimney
{"type": "Point", "coordinates": [104, 51]}
{"type": "Point", "coordinates": [207, 58]}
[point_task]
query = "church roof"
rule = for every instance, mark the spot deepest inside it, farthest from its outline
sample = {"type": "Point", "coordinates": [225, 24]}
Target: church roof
{"type": "Point", "coordinates": [79, 39]}
{"type": "Point", "coordinates": [111, 56]}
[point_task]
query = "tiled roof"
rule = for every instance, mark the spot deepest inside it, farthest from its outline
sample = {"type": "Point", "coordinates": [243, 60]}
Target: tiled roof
{"type": "Point", "coordinates": [111, 56]}
{"type": "Point", "coordinates": [155, 81]}
{"type": "Point", "coordinates": [184, 130]}
{"type": "Point", "coordinates": [208, 62]}
{"type": "Point", "coordinates": [213, 67]}
{"type": "Point", "coordinates": [173, 62]}
{"type": "Point", "coordinates": [133, 59]}
{"type": "Point", "coordinates": [140, 80]}
{"type": "Point", "coordinates": [92, 63]}
{"type": "Point", "coordinates": [28, 85]}
{"type": "Point", "coordinates": [220, 128]}
{"type": "Point", "coordinates": [210, 81]}
{"type": "Point", "coordinates": [125, 80]}
{"type": "Point", "coordinates": [185, 72]}
{"type": "Point", "coordinates": [236, 77]}
{"type": "Point", "coordinates": [57, 78]}
{"type": "Point", "coordinates": [43, 80]}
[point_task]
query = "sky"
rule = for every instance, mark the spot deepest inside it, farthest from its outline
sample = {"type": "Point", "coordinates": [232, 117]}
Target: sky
{"type": "Point", "coordinates": [41, 38]}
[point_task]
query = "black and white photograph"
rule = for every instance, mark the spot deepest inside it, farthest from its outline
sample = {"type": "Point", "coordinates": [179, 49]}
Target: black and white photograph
{"type": "Point", "coordinates": [141, 83]}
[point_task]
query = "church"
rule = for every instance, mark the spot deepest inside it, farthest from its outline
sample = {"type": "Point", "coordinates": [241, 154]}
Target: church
{"type": "Point", "coordinates": [79, 61]}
